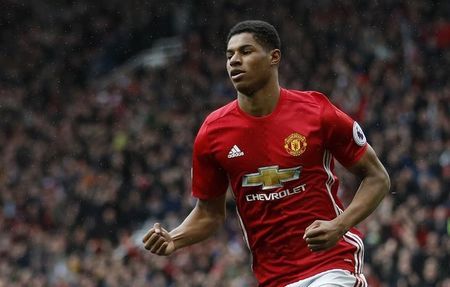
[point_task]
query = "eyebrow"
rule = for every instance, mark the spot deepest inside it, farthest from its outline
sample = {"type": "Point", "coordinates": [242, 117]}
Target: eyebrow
{"type": "Point", "coordinates": [239, 48]}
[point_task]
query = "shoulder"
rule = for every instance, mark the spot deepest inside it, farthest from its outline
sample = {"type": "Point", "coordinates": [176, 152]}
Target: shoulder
{"type": "Point", "coordinates": [309, 97]}
{"type": "Point", "coordinates": [310, 100]}
{"type": "Point", "coordinates": [220, 113]}
{"type": "Point", "coordinates": [217, 117]}
{"type": "Point", "coordinates": [213, 125]}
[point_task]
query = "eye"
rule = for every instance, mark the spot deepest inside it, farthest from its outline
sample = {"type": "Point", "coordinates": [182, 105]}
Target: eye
{"type": "Point", "coordinates": [246, 52]}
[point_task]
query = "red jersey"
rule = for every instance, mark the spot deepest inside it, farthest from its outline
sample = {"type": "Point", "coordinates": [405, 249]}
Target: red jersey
{"type": "Point", "coordinates": [280, 169]}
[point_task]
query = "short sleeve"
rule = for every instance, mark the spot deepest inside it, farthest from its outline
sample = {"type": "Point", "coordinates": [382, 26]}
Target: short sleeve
{"type": "Point", "coordinates": [342, 135]}
{"type": "Point", "coordinates": [209, 179]}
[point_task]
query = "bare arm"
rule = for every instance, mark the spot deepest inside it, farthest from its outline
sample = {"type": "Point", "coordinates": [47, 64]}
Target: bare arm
{"type": "Point", "coordinates": [200, 224]}
{"type": "Point", "coordinates": [374, 186]}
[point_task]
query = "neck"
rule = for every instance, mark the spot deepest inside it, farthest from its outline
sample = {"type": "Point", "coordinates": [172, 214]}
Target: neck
{"type": "Point", "coordinates": [262, 102]}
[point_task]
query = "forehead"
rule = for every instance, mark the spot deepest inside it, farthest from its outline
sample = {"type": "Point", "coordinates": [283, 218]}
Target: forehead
{"type": "Point", "coordinates": [242, 39]}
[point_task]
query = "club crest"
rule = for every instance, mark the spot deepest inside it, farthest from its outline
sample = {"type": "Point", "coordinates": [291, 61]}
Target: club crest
{"type": "Point", "coordinates": [295, 144]}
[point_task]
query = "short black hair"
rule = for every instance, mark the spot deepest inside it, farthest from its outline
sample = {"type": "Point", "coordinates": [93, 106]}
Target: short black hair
{"type": "Point", "coordinates": [264, 33]}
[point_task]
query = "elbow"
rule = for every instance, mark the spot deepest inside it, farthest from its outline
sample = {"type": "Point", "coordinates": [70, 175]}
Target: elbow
{"type": "Point", "coordinates": [385, 182]}
{"type": "Point", "coordinates": [220, 219]}
{"type": "Point", "coordinates": [217, 220]}
{"type": "Point", "coordinates": [215, 223]}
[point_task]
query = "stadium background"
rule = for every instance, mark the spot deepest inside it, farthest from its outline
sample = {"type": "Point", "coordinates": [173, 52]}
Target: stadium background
{"type": "Point", "coordinates": [100, 102]}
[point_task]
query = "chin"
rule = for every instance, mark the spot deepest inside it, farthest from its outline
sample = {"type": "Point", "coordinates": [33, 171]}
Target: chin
{"type": "Point", "coordinates": [244, 89]}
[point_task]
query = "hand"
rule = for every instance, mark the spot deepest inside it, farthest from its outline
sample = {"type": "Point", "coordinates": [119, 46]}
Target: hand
{"type": "Point", "coordinates": [321, 235]}
{"type": "Point", "coordinates": [159, 241]}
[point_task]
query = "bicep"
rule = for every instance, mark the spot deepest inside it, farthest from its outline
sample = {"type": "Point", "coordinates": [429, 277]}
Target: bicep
{"type": "Point", "coordinates": [369, 165]}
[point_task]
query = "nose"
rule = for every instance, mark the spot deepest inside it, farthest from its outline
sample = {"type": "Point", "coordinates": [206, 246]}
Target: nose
{"type": "Point", "coordinates": [235, 59]}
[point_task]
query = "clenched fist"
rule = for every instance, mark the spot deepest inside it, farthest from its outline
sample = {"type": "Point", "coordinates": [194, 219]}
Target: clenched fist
{"type": "Point", "coordinates": [159, 241]}
{"type": "Point", "coordinates": [321, 235]}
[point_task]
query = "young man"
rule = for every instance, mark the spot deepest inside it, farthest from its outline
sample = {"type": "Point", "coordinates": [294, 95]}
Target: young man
{"type": "Point", "coordinates": [275, 147]}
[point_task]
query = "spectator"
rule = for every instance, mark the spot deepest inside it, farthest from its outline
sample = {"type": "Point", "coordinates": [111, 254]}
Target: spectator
{"type": "Point", "coordinates": [81, 169]}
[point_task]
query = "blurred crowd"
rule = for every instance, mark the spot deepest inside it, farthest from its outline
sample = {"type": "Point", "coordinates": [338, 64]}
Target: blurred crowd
{"type": "Point", "coordinates": [85, 171]}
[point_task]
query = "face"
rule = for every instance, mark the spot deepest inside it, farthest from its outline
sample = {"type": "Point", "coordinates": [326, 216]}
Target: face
{"type": "Point", "coordinates": [249, 65]}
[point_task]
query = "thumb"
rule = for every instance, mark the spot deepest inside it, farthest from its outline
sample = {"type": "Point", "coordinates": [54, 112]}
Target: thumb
{"type": "Point", "coordinates": [315, 224]}
{"type": "Point", "coordinates": [157, 228]}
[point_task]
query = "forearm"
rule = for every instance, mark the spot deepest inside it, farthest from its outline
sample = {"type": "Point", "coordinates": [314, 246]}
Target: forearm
{"type": "Point", "coordinates": [323, 234]}
{"type": "Point", "coordinates": [198, 226]}
{"type": "Point", "coordinates": [370, 193]}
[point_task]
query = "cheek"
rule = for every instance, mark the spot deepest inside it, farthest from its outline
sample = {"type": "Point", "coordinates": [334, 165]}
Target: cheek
{"type": "Point", "coordinates": [261, 68]}
{"type": "Point", "coordinates": [260, 62]}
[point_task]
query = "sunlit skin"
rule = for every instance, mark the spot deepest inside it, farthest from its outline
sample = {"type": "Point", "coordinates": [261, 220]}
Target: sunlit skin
{"type": "Point", "coordinates": [253, 70]}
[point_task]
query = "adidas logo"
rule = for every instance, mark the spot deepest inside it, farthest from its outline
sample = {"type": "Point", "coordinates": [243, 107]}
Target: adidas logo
{"type": "Point", "coordinates": [235, 152]}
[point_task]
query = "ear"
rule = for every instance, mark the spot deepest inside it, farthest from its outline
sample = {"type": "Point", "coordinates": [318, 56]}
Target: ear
{"type": "Point", "coordinates": [275, 56]}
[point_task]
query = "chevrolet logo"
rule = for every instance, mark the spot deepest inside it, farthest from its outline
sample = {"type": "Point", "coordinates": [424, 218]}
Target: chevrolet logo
{"type": "Point", "coordinates": [271, 177]}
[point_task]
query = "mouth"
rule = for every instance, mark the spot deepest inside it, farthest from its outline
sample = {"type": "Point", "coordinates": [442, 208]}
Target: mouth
{"type": "Point", "coordinates": [236, 74]}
